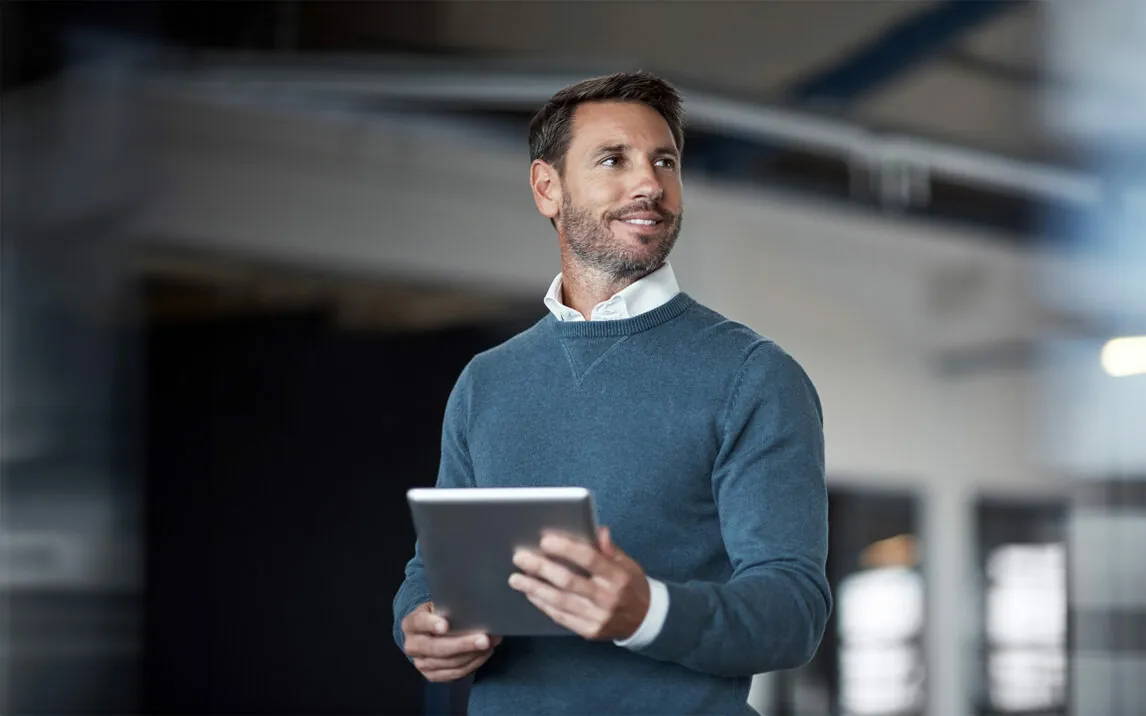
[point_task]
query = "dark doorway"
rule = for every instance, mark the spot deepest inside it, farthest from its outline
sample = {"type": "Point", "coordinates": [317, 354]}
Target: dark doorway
{"type": "Point", "coordinates": [279, 450]}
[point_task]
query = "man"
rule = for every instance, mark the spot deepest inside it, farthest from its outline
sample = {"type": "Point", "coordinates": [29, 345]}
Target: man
{"type": "Point", "coordinates": [701, 441]}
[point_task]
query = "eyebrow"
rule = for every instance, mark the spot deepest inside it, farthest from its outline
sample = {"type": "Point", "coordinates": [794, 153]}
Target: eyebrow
{"type": "Point", "coordinates": [622, 148]}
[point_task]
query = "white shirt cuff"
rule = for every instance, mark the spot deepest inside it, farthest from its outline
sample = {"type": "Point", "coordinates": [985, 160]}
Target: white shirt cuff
{"type": "Point", "coordinates": [654, 621]}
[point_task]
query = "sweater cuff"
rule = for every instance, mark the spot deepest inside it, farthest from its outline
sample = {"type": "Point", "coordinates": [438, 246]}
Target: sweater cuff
{"type": "Point", "coordinates": [654, 620]}
{"type": "Point", "coordinates": [679, 635]}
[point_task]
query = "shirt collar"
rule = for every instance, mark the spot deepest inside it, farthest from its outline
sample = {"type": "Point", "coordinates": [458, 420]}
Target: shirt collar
{"type": "Point", "coordinates": [641, 296]}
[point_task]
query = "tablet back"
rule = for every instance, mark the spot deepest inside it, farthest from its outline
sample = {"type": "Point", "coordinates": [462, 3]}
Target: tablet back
{"type": "Point", "coordinates": [467, 538]}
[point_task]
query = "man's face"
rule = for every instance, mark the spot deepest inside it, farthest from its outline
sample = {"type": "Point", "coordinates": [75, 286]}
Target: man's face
{"type": "Point", "coordinates": [621, 201]}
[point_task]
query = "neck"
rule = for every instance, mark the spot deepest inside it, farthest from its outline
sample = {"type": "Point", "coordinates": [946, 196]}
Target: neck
{"type": "Point", "coordinates": [583, 287]}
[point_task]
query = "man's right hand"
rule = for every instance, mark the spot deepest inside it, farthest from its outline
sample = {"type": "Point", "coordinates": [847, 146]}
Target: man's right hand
{"type": "Point", "coordinates": [441, 656]}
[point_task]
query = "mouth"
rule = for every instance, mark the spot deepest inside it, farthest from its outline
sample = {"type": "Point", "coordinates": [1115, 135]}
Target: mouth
{"type": "Point", "coordinates": [644, 221]}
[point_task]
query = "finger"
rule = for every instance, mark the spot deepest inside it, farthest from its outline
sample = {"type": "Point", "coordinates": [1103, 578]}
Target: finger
{"type": "Point", "coordinates": [445, 663]}
{"type": "Point", "coordinates": [579, 625]}
{"type": "Point", "coordinates": [444, 675]}
{"type": "Point", "coordinates": [562, 577]}
{"type": "Point", "coordinates": [604, 571]}
{"type": "Point", "coordinates": [424, 621]}
{"type": "Point", "coordinates": [421, 646]}
{"type": "Point", "coordinates": [579, 553]}
{"type": "Point", "coordinates": [574, 604]}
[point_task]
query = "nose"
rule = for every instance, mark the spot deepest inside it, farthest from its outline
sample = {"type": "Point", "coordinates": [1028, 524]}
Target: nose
{"type": "Point", "coordinates": [646, 182]}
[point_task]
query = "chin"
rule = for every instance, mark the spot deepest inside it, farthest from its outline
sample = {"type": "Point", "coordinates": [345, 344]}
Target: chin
{"type": "Point", "coordinates": [629, 238]}
{"type": "Point", "coordinates": [652, 258]}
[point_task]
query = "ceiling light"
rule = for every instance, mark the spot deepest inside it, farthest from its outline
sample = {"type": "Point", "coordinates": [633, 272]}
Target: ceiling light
{"type": "Point", "coordinates": [1126, 356]}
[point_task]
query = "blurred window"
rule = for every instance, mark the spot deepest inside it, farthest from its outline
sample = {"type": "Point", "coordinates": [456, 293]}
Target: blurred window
{"type": "Point", "coordinates": [1026, 627]}
{"type": "Point", "coordinates": [881, 628]}
{"type": "Point", "coordinates": [1023, 574]}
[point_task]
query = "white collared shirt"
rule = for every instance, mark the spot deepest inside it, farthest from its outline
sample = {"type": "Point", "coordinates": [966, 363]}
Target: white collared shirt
{"type": "Point", "coordinates": [642, 296]}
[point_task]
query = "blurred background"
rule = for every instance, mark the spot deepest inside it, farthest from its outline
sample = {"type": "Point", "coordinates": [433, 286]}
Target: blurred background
{"type": "Point", "coordinates": [248, 246]}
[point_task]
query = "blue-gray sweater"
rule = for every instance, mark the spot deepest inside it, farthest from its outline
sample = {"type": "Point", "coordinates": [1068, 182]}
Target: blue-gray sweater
{"type": "Point", "coordinates": [703, 445]}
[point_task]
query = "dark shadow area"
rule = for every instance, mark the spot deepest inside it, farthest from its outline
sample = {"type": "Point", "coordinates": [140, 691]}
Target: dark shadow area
{"type": "Point", "coordinates": [279, 452]}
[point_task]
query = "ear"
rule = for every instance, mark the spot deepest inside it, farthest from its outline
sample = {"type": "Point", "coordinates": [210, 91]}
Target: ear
{"type": "Point", "coordinates": [546, 185]}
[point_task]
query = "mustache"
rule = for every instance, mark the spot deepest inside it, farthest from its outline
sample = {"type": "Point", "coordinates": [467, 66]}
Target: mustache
{"type": "Point", "coordinates": [644, 205]}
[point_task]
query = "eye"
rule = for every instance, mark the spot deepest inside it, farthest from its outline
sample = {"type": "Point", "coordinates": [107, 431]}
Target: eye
{"type": "Point", "coordinates": [667, 162]}
{"type": "Point", "coordinates": [611, 161]}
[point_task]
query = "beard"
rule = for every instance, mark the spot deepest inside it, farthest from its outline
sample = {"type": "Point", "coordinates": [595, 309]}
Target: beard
{"type": "Point", "coordinates": [592, 241]}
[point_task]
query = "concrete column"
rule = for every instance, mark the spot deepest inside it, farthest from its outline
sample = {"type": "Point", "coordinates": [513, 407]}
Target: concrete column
{"type": "Point", "coordinates": [948, 540]}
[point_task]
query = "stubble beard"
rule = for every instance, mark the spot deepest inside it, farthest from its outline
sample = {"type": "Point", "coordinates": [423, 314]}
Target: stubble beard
{"type": "Point", "coordinates": [594, 245]}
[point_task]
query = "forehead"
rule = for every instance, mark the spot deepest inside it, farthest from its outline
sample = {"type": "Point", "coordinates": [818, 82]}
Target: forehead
{"type": "Point", "coordinates": [597, 124]}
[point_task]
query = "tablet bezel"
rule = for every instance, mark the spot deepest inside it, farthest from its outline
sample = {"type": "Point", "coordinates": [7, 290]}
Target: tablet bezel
{"type": "Point", "coordinates": [467, 537]}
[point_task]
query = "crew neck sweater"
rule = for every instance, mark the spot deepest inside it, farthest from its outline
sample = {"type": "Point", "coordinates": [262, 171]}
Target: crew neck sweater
{"type": "Point", "coordinates": [715, 486]}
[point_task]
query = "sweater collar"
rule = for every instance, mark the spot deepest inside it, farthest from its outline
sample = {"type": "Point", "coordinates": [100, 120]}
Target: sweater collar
{"type": "Point", "coordinates": [626, 326]}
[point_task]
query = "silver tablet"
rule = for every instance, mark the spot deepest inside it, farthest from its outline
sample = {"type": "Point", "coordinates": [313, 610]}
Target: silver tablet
{"type": "Point", "coordinates": [467, 539]}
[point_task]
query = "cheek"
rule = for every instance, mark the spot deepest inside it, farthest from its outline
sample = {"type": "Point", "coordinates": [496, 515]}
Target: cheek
{"type": "Point", "coordinates": [603, 192]}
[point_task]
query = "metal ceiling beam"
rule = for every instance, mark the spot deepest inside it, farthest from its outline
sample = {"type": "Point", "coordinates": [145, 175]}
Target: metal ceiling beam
{"type": "Point", "coordinates": [899, 49]}
{"type": "Point", "coordinates": [350, 81]}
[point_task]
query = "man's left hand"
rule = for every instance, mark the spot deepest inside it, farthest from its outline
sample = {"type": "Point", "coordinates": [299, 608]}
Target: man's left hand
{"type": "Point", "coordinates": [610, 603]}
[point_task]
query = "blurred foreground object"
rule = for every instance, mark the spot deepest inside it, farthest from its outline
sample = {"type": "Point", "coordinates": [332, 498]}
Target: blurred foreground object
{"type": "Point", "coordinates": [1094, 410]}
{"type": "Point", "coordinates": [70, 532]}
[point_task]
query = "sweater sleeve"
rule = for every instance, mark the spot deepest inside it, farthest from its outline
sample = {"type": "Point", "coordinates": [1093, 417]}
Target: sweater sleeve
{"type": "Point", "coordinates": [454, 470]}
{"type": "Point", "coordinates": [769, 485]}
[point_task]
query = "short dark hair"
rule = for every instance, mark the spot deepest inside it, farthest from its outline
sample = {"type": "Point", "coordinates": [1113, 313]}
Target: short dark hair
{"type": "Point", "coordinates": [551, 129]}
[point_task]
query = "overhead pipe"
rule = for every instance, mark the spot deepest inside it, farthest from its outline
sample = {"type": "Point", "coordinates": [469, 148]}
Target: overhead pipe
{"type": "Point", "coordinates": [899, 161]}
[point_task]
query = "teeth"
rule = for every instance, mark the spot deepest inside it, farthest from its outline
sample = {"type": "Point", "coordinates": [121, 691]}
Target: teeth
{"type": "Point", "coordinates": [642, 222]}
